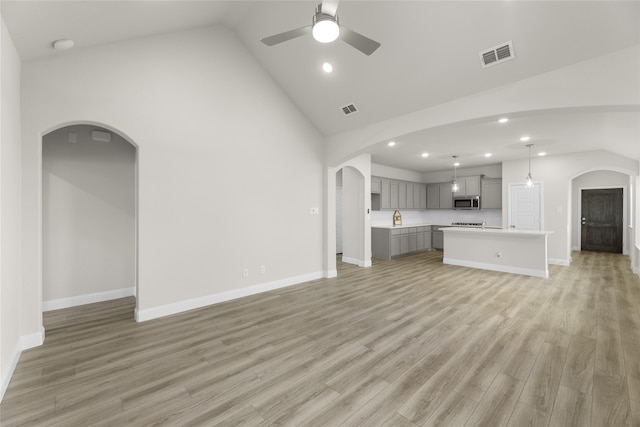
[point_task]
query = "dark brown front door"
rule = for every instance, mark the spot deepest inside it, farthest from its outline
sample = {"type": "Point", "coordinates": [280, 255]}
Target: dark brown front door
{"type": "Point", "coordinates": [602, 220]}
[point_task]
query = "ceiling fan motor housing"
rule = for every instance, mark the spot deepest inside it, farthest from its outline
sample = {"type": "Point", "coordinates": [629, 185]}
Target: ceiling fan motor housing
{"type": "Point", "coordinates": [325, 27]}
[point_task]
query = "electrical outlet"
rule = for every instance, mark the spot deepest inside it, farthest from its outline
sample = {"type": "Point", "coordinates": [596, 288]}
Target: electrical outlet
{"type": "Point", "coordinates": [245, 272]}
{"type": "Point", "coordinates": [314, 211]}
{"type": "Point", "coordinates": [263, 269]}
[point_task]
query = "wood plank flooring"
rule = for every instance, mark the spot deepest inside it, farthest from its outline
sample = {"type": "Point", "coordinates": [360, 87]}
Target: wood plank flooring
{"type": "Point", "coordinates": [407, 342]}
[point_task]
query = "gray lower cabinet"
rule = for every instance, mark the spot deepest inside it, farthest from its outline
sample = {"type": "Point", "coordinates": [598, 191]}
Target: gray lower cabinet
{"type": "Point", "coordinates": [390, 242]}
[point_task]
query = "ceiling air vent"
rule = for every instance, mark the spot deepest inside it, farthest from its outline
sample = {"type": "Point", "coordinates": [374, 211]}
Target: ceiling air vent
{"type": "Point", "coordinates": [349, 109]}
{"type": "Point", "coordinates": [497, 54]}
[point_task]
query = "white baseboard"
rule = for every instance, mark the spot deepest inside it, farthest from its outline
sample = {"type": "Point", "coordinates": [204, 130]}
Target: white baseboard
{"type": "Point", "coordinates": [32, 340]}
{"type": "Point", "coordinates": [497, 267]}
{"type": "Point", "coordinates": [24, 343]}
{"type": "Point", "coordinates": [74, 301]}
{"type": "Point", "coordinates": [329, 274]}
{"type": "Point", "coordinates": [181, 306]}
{"type": "Point", "coordinates": [358, 262]}
{"type": "Point", "coordinates": [575, 248]}
{"type": "Point", "coordinates": [556, 261]}
{"type": "Point", "coordinates": [6, 377]}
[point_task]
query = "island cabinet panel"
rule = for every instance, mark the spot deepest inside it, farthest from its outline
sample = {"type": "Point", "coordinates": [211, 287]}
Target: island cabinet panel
{"type": "Point", "coordinates": [491, 193]}
{"type": "Point", "coordinates": [390, 242]}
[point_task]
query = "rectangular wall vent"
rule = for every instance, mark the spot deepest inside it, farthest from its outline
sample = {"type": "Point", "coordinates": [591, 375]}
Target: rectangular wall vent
{"type": "Point", "coordinates": [97, 135]}
{"type": "Point", "coordinates": [349, 109]}
{"type": "Point", "coordinates": [496, 55]}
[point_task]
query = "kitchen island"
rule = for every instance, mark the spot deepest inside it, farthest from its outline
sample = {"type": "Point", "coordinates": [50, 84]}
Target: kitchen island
{"type": "Point", "coordinates": [507, 250]}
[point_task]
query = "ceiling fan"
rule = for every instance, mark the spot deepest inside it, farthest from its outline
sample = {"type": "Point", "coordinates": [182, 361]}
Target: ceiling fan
{"type": "Point", "coordinates": [325, 29]}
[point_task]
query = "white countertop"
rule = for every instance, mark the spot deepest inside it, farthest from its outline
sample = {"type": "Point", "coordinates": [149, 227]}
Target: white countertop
{"type": "Point", "coordinates": [390, 227]}
{"type": "Point", "coordinates": [496, 231]}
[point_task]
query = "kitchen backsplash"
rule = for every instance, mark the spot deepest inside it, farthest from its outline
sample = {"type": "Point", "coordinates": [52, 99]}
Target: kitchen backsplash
{"type": "Point", "coordinates": [493, 217]}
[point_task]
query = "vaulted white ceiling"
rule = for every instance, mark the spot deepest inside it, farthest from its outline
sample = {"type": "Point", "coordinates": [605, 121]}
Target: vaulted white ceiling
{"type": "Point", "coordinates": [429, 55]}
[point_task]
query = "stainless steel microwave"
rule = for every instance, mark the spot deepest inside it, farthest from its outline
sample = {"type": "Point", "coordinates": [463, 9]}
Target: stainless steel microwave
{"type": "Point", "coordinates": [466, 202]}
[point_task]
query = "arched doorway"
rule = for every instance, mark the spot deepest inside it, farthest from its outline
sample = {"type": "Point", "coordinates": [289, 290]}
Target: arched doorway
{"type": "Point", "coordinates": [354, 179]}
{"type": "Point", "coordinates": [593, 185]}
{"type": "Point", "coordinates": [89, 216]}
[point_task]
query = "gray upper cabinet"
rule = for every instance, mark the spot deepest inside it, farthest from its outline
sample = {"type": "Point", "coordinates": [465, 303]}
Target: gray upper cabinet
{"type": "Point", "coordinates": [472, 185]}
{"type": "Point", "coordinates": [410, 189]}
{"type": "Point", "coordinates": [395, 194]}
{"type": "Point", "coordinates": [433, 196]}
{"type": "Point", "coordinates": [385, 194]}
{"type": "Point", "coordinates": [402, 195]}
{"type": "Point", "coordinates": [491, 193]}
{"type": "Point", "coordinates": [419, 196]}
{"type": "Point", "coordinates": [439, 196]}
{"type": "Point", "coordinates": [376, 184]}
{"type": "Point", "coordinates": [446, 196]}
{"type": "Point", "coordinates": [468, 186]}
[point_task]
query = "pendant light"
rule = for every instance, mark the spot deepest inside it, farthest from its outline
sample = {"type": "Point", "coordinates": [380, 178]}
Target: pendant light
{"type": "Point", "coordinates": [454, 184]}
{"type": "Point", "coordinates": [529, 178]}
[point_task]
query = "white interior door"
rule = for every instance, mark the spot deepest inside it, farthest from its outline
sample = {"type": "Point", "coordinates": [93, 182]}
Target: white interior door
{"type": "Point", "coordinates": [525, 207]}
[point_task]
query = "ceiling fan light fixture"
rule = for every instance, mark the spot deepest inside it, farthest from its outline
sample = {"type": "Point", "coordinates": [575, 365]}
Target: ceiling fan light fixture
{"type": "Point", "coordinates": [325, 28]}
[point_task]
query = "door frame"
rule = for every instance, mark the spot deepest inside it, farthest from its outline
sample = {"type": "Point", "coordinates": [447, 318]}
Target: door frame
{"type": "Point", "coordinates": [578, 217]}
{"type": "Point", "coordinates": [510, 187]}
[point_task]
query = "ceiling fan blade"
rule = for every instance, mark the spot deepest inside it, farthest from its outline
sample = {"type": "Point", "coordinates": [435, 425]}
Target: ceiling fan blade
{"type": "Point", "coordinates": [330, 7]}
{"type": "Point", "coordinates": [287, 35]}
{"type": "Point", "coordinates": [360, 42]}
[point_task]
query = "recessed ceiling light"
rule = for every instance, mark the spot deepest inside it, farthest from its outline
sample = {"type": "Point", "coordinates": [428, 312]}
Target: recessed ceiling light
{"type": "Point", "coordinates": [542, 153]}
{"type": "Point", "coordinates": [456, 164]}
{"type": "Point", "coordinates": [327, 67]}
{"type": "Point", "coordinates": [391, 143]}
{"type": "Point", "coordinates": [425, 154]}
{"type": "Point", "coordinates": [63, 44]}
{"type": "Point", "coordinates": [503, 120]}
{"type": "Point", "coordinates": [487, 154]}
{"type": "Point", "coordinates": [525, 138]}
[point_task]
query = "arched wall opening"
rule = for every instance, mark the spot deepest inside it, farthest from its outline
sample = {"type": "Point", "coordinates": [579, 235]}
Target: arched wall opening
{"type": "Point", "coordinates": [354, 180]}
{"type": "Point", "coordinates": [597, 179]}
{"type": "Point", "coordinates": [89, 215]}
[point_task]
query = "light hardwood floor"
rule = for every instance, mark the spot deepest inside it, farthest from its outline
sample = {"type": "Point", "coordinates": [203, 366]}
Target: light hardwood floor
{"type": "Point", "coordinates": [407, 342]}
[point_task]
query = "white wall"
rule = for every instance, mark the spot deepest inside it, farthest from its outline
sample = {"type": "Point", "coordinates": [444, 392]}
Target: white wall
{"type": "Point", "coordinates": [352, 216]}
{"type": "Point", "coordinates": [11, 342]}
{"type": "Point", "coordinates": [88, 217]}
{"type": "Point", "coordinates": [634, 233]}
{"type": "Point", "coordinates": [227, 167]}
{"type": "Point", "coordinates": [489, 171]}
{"type": "Point", "coordinates": [395, 173]}
{"type": "Point", "coordinates": [556, 174]}
{"type": "Point", "coordinates": [568, 87]}
{"type": "Point", "coordinates": [596, 179]}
